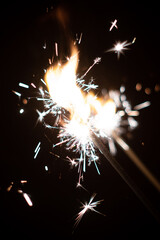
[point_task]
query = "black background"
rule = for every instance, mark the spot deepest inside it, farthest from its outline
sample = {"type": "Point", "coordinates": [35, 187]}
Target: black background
{"type": "Point", "coordinates": [25, 26]}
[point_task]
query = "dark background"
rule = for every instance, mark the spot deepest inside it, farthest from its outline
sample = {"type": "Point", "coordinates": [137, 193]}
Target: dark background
{"type": "Point", "coordinates": [25, 26]}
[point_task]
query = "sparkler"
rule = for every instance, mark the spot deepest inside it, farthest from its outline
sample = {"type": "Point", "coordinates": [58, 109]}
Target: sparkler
{"type": "Point", "coordinates": [78, 111]}
{"type": "Point", "coordinates": [83, 119]}
{"type": "Point", "coordinates": [125, 176]}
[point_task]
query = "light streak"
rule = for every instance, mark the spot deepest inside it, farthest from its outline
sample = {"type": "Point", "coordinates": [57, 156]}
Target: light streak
{"type": "Point", "coordinates": [38, 145]}
{"type": "Point", "coordinates": [23, 181]}
{"type": "Point", "coordinates": [142, 105]}
{"type": "Point", "coordinates": [17, 93]}
{"type": "Point", "coordinates": [134, 39]}
{"type": "Point", "coordinates": [56, 49]}
{"type": "Point", "coordinates": [26, 197]}
{"type": "Point", "coordinates": [113, 25]}
{"type": "Point", "coordinates": [80, 38]}
{"type": "Point", "coordinates": [10, 187]}
{"type": "Point", "coordinates": [37, 149]}
{"type": "Point", "coordinates": [28, 200]}
{"type": "Point", "coordinates": [79, 185]}
{"type": "Point", "coordinates": [96, 61]}
{"type": "Point", "coordinates": [32, 84]}
{"type": "Point", "coordinates": [43, 81]}
{"type": "Point", "coordinates": [23, 85]}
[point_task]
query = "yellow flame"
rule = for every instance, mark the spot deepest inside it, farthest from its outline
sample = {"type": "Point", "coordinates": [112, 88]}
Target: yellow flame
{"type": "Point", "coordinates": [61, 82]}
{"type": "Point", "coordinates": [63, 89]}
{"type": "Point", "coordinates": [105, 118]}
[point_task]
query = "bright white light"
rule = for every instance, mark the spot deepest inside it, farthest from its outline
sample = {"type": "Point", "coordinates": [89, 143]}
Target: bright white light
{"type": "Point", "coordinates": [88, 206]}
{"type": "Point", "coordinates": [46, 168]}
{"type": "Point", "coordinates": [28, 200]}
{"type": "Point", "coordinates": [23, 85]}
{"type": "Point", "coordinates": [21, 111]}
{"type": "Point", "coordinates": [119, 47]}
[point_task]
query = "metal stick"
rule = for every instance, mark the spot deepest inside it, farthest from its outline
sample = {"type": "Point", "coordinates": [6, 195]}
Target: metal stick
{"type": "Point", "coordinates": [102, 148]}
{"type": "Point", "coordinates": [136, 160]}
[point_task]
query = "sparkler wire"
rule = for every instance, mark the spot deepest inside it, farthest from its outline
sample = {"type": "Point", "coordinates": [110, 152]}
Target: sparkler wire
{"type": "Point", "coordinates": [98, 143]}
{"type": "Point", "coordinates": [135, 159]}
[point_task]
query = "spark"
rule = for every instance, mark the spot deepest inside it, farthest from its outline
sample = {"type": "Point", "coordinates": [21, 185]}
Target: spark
{"type": "Point", "coordinates": [32, 84]}
{"type": "Point", "coordinates": [88, 206]}
{"type": "Point", "coordinates": [96, 61]}
{"type": "Point", "coordinates": [44, 45]}
{"type": "Point", "coordinates": [77, 138]}
{"type": "Point", "coordinates": [21, 111]}
{"type": "Point", "coordinates": [113, 25]}
{"type": "Point", "coordinates": [142, 105]}
{"type": "Point", "coordinates": [56, 49]}
{"type": "Point", "coordinates": [42, 114]}
{"type": "Point", "coordinates": [46, 168]}
{"type": "Point", "coordinates": [119, 47]}
{"type": "Point", "coordinates": [23, 85]}
{"type": "Point", "coordinates": [23, 181]}
{"type": "Point", "coordinates": [80, 38]}
{"type": "Point", "coordinates": [72, 162]}
{"type": "Point", "coordinates": [133, 113]}
{"type": "Point", "coordinates": [43, 81]}
{"type": "Point", "coordinates": [37, 149]}
{"type": "Point", "coordinates": [79, 185]}
{"type": "Point", "coordinates": [17, 93]}
{"type": "Point", "coordinates": [134, 39]}
{"type": "Point", "coordinates": [10, 187]}
{"type": "Point", "coordinates": [122, 89]}
{"type": "Point", "coordinates": [26, 197]}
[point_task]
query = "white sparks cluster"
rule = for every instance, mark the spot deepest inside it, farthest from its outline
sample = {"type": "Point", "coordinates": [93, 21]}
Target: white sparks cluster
{"type": "Point", "coordinates": [77, 116]}
{"type": "Point", "coordinates": [77, 113]}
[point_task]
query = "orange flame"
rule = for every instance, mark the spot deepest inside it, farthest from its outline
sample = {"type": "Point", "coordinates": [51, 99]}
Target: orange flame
{"type": "Point", "coordinates": [63, 89]}
{"type": "Point", "coordinates": [61, 82]}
